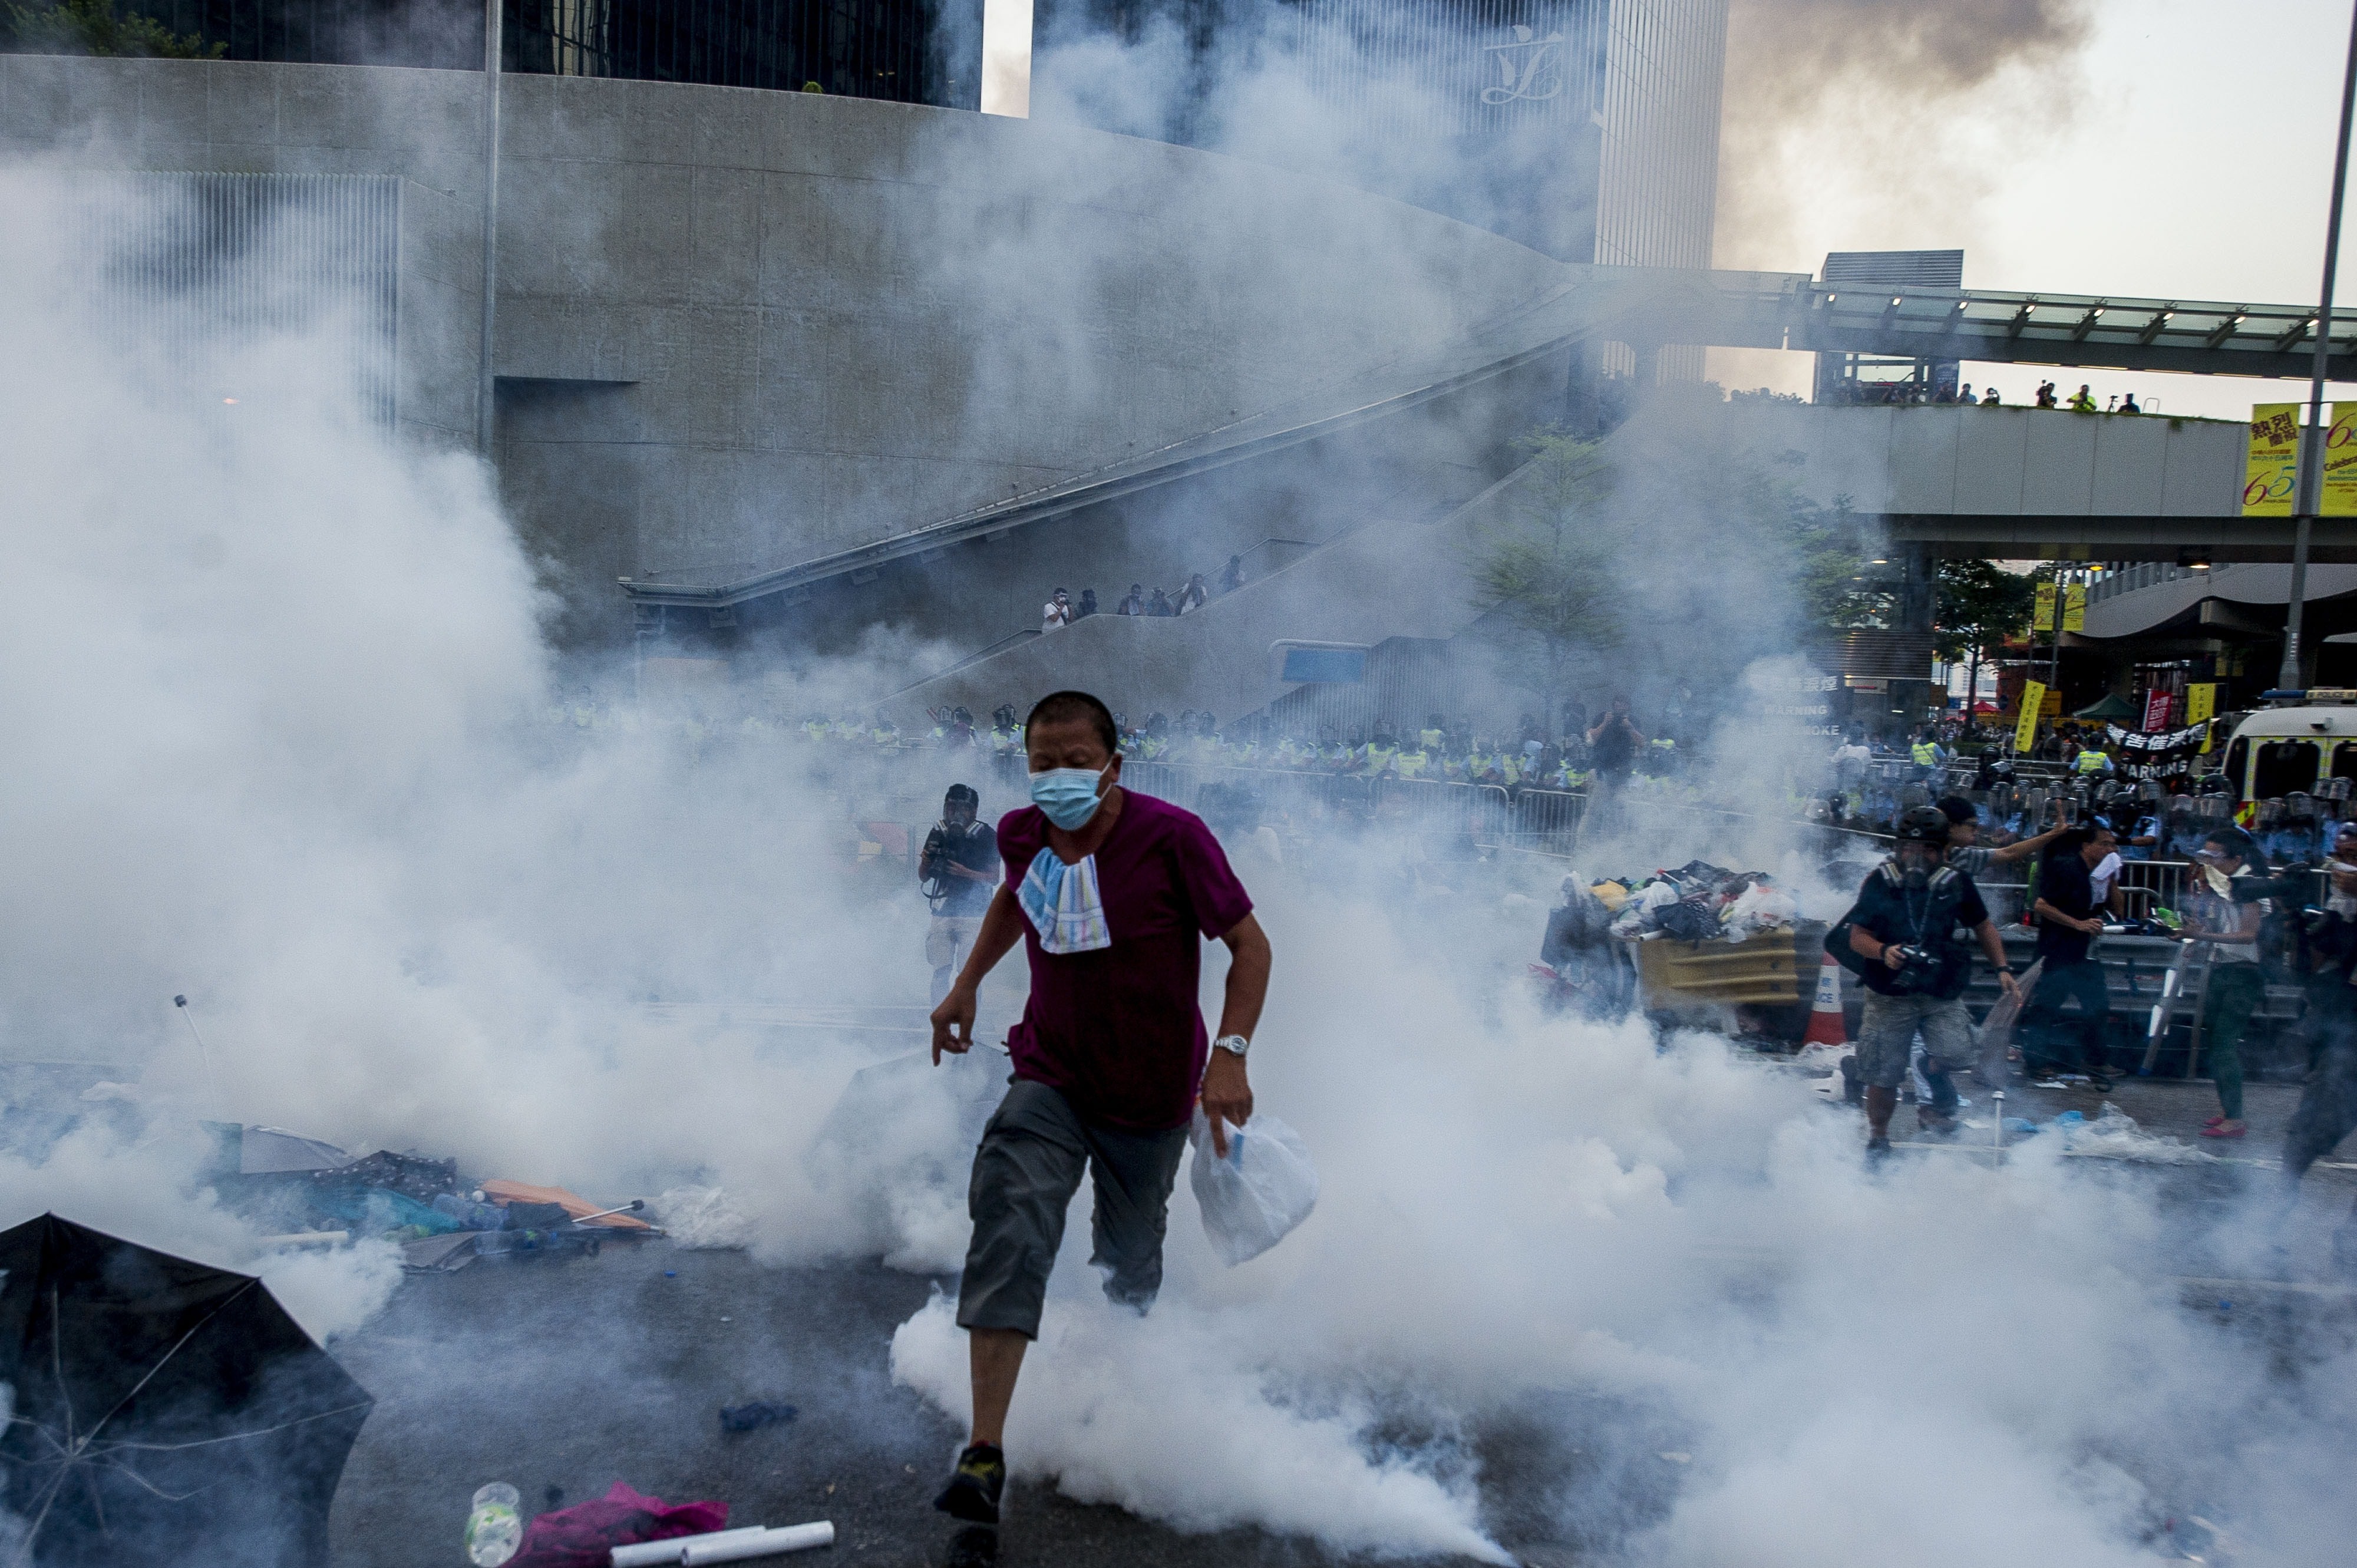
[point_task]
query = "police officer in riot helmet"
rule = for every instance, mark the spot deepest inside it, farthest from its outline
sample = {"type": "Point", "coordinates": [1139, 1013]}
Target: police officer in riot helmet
{"type": "Point", "coordinates": [1906, 939]}
{"type": "Point", "coordinates": [958, 871]}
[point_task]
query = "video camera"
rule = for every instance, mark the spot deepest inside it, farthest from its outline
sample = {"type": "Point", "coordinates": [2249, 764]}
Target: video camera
{"type": "Point", "coordinates": [934, 881]}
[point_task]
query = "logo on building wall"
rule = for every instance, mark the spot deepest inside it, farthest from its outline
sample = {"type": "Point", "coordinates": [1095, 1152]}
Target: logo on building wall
{"type": "Point", "coordinates": [1526, 69]}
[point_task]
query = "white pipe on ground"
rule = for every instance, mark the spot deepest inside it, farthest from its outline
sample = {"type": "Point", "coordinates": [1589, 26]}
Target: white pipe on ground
{"type": "Point", "coordinates": [649, 1553]}
{"type": "Point", "coordinates": [789, 1538]}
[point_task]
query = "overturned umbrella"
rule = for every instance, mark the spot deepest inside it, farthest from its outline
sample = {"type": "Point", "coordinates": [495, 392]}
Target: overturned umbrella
{"type": "Point", "coordinates": [165, 1411]}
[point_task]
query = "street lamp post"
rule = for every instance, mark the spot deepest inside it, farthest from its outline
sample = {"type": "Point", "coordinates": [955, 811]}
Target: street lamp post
{"type": "Point", "coordinates": [2308, 497]}
{"type": "Point", "coordinates": [494, 20]}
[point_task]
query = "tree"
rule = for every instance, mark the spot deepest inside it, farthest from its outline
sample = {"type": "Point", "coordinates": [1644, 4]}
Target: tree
{"type": "Point", "coordinates": [1980, 606]}
{"type": "Point", "coordinates": [1545, 579]}
{"type": "Point", "coordinates": [1675, 566]}
{"type": "Point", "coordinates": [92, 27]}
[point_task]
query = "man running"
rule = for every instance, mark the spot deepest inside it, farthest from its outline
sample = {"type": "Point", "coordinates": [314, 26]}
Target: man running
{"type": "Point", "coordinates": [1112, 895]}
{"type": "Point", "coordinates": [1905, 925]}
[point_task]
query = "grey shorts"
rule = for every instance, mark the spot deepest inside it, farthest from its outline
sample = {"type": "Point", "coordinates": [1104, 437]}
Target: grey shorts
{"type": "Point", "coordinates": [1886, 1035]}
{"type": "Point", "coordinates": [1027, 1168]}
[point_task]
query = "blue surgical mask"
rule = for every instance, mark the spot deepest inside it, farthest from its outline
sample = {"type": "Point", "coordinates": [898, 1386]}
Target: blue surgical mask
{"type": "Point", "coordinates": [1068, 794]}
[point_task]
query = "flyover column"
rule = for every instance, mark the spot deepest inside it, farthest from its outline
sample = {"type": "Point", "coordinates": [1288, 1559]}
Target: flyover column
{"type": "Point", "coordinates": [1919, 605]}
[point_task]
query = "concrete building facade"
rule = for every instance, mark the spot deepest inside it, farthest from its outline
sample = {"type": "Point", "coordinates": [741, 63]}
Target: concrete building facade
{"type": "Point", "coordinates": [1585, 129]}
{"type": "Point", "coordinates": [739, 329]}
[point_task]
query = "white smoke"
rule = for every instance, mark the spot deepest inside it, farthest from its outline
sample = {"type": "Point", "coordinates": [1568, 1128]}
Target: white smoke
{"type": "Point", "coordinates": [277, 741]}
{"type": "Point", "coordinates": [1959, 1363]}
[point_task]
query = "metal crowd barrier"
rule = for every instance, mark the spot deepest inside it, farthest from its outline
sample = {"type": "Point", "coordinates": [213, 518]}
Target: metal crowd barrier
{"type": "Point", "coordinates": [2153, 884]}
{"type": "Point", "coordinates": [1482, 810]}
{"type": "Point", "coordinates": [1548, 817]}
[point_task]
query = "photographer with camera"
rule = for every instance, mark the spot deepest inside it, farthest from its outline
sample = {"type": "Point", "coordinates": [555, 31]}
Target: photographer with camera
{"type": "Point", "coordinates": [958, 873]}
{"type": "Point", "coordinates": [1905, 939]}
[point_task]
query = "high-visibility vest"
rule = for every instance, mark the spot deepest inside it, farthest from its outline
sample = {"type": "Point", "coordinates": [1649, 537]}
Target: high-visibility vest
{"type": "Point", "coordinates": [1430, 739]}
{"type": "Point", "coordinates": [1926, 754]}
{"type": "Point", "coordinates": [2093, 761]}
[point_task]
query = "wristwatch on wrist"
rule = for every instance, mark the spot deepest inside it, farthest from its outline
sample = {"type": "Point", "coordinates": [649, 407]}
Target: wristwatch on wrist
{"type": "Point", "coordinates": [1234, 1045]}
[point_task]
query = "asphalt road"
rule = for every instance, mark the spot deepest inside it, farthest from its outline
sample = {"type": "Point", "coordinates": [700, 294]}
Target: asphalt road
{"type": "Point", "coordinates": [563, 1376]}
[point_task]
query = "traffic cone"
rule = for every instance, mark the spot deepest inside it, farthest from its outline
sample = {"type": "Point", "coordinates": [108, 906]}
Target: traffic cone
{"type": "Point", "coordinates": [1825, 1012]}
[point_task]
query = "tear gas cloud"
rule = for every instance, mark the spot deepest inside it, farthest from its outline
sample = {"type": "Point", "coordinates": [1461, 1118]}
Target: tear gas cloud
{"type": "Point", "coordinates": [279, 741]}
{"type": "Point", "coordinates": [1899, 117]}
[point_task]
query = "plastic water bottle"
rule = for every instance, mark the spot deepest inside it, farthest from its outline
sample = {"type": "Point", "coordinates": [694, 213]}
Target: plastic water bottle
{"type": "Point", "coordinates": [494, 1528]}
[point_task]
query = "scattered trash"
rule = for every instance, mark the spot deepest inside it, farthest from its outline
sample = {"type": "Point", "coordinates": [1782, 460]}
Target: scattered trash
{"type": "Point", "coordinates": [768, 1543]}
{"type": "Point", "coordinates": [646, 1554]}
{"type": "Point", "coordinates": [222, 1422]}
{"type": "Point", "coordinates": [1251, 1199]}
{"type": "Point", "coordinates": [470, 1214]}
{"type": "Point", "coordinates": [754, 1414]}
{"type": "Point", "coordinates": [586, 1534]}
{"type": "Point", "coordinates": [1699, 902]}
{"type": "Point", "coordinates": [1830, 1068]}
{"type": "Point", "coordinates": [379, 1211]}
{"type": "Point", "coordinates": [439, 1254]}
{"type": "Point", "coordinates": [578, 1209]}
{"type": "Point", "coordinates": [702, 1218]}
{"type": "Point", "coordinates": [493, 1525]}
{"type": "Point", "coordinates": [273, 1150]}
{"type": "Point", "coordinates": [411, 1176]}
{"type": "Point", "coordinates": [565, 1239]}
{"type": "Point", "coordinates": [2115, 1134]}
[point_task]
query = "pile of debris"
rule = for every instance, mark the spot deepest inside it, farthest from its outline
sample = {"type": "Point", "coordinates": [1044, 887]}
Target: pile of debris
{"type": "Point", "coordinates": [313, 1193]}
{"type": "Point", "coordinates": [1695, 903]}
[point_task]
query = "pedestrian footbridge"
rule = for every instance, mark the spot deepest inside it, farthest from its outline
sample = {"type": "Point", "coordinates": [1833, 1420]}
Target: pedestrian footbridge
{"type": "Point", "coordinates": [1975, 481]}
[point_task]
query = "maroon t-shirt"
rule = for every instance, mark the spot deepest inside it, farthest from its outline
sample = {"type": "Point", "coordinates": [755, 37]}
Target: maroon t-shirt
{"type": "Point", "coordinates": [1118, 1029]}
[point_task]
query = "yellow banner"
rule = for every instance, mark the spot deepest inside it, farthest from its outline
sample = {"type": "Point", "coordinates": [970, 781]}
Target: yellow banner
{"type": "Point", "coordinates": [2201, 702]}
{"type": "Point", "coordinates": [2340, 463]}
{"type": "Point", "coordinates": [2274, 462]}
{"type": "Point", "coordinates": [2033, 699]}
{"type": "Point", "coordinates": [2074, 607]}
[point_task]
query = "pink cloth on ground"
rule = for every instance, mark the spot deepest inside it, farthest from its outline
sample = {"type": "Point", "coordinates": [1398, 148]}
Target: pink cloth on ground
{"type": "Point", "coordinates": [585, 1535]}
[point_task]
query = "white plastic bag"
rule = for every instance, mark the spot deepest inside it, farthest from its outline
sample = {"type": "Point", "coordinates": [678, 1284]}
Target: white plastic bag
{"type": "Point", "coordinates": [1251, 1199]}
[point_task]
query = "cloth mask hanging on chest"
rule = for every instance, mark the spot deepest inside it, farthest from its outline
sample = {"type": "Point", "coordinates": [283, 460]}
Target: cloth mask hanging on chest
{"type": "Point", "coordinates": [1064, 905]}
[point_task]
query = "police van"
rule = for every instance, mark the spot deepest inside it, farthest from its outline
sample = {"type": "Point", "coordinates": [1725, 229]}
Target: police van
{"type": "Point", "coordinates": [2296, 750]}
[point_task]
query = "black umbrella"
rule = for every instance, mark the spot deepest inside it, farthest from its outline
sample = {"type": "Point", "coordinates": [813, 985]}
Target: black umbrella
{"type": "Point", "coordinates": [165, 1411]}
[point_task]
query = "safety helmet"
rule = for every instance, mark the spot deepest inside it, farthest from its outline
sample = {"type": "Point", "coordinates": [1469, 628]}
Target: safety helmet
{"type": "Point", "coordinates": [1922, 825]}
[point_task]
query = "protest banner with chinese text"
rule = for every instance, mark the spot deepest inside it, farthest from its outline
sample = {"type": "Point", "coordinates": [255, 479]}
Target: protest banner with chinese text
{"type": "Point", "coordinates": [2271, 470]}
{"type": "Point", "coordinates": [2033, 699]}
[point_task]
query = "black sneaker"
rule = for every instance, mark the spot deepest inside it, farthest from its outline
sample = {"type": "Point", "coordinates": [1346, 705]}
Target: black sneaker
{"type": "Point", "coordinates": [1932, 1124]}
{"type": "Point", "coordinates": [1876, 1150]}
{"type": "Point", "coordinates": [972, 1492]}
